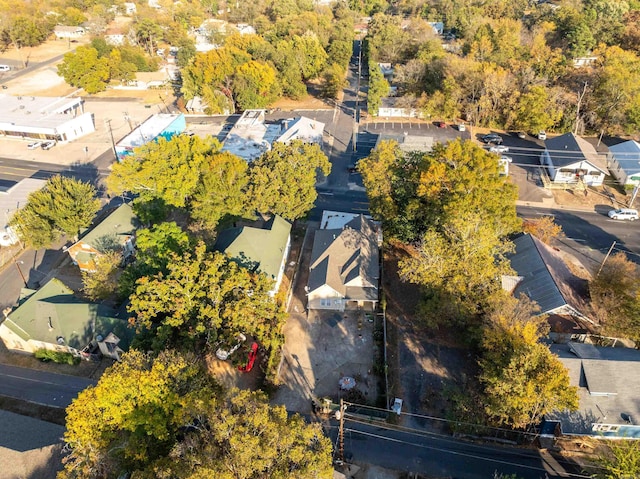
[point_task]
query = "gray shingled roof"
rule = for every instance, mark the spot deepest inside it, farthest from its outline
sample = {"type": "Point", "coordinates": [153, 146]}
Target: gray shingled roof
{"type": "Point", "coordinates": [544, 277]}
{"type": "Point", "coordinates": [568, 149]}
{"type": "Point", "coordinates": [627, 154]}
{"type": "Point", "coordinates": [608, 381]}
{"type": "Point", "coordinates": [347, 260]}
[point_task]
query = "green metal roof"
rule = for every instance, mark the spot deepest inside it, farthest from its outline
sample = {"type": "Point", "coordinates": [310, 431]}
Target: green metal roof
{"type": "Point", "coordinates": [115, 228]}
{"type": "Point", "coordinates": [54, 312]}
{"type": "Point", "coordinates": [257, 249]}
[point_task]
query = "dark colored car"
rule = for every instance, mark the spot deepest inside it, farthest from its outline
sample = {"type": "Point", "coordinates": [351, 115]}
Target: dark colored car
{"type": "Point", "coordinates": [251, 358]}
{"type": "Point", "coordinates": [492, 138]}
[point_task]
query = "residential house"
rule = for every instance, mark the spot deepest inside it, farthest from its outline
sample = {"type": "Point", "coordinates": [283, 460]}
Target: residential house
{"type": "Point", "coordinates": [438, 27]}
{"type": "Point", "coordinates": [301, 128]}
{"type": "Point", "coordinates": [52, 317]}
{"type": "Point", "coordinates": [130, 8]}
{"type": "Point", "coordinates": [543, 276]}
{"type": "Point", "coordinates": [115, 36]}
{"type": "Point", "coordinates": [197, 105]}
{"type": "Point", "coordinates": [392, 107]}
{"type": "Point", "coordinates": [624, 162]}
{"type": "Point", "coordinates": [571, 159]}
{"type": "Point", "coordinates": [344, 269]}
{"type": "Point", "coordinates": [608, 381]}
{"type": "Point", "coordinates": [263, 248]}
{"type": "Point", "coordinates": [387, 70]}
{"type": "Point", "coordinates": [115, 233]}
{"type": "Point", "coordinates": [68, 32]}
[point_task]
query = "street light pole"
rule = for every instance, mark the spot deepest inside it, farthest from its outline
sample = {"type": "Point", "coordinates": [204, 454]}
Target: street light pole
{"type": "Point", "coordinates": [20, 271]}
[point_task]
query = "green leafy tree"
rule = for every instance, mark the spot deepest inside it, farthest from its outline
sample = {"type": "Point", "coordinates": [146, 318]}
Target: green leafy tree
{"type": "Point", "coordinates": [62, 206]}
{"type": "Point", "coordinates": [148, 32]}
{"type": "Point", "coordinates": [221, 192]}
{"type": "Point", "coordinates": [155, 248]}
{"type": "Point", "coordinates": [333, 81]}
{"type": "Point", "coordinates": [255, 85]}
{"type": "Point", "coordinates": [535, 110]}
{"type": "Point", "coordinates": [102, 283]}
{"type": "Point", "coordinates": [378, 89]}
{"type": "Point", "coordinates": [522, 379]}
{"type": "Point", "coordinates": [165, 170]}
{"type": "Point", "coordinates": [84, 69]}
{"type": "Point", "coordinates": [615, 292]}
{"type": "Point", "coordinates": [620, 459]}
{"type": "Point", "coordinates": [135, 414]}
{"type": "Point", "coordinates": [248, 438]}
{"type": "Point", "coordinates": [202, 297]}
{"type": "Point", "coordinates": [282, 180]}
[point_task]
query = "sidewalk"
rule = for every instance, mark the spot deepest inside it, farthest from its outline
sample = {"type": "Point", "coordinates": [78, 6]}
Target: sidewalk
{"type": "Point", "coordinates": [602, 197]}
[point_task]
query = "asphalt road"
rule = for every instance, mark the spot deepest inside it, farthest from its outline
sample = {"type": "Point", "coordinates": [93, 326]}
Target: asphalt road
{"type": "Point", "coordinates": [50, 389]}
{"type": "Point", "coordinates": [589, 235]}
{"type": "Point", "coordinates": [440, 456]}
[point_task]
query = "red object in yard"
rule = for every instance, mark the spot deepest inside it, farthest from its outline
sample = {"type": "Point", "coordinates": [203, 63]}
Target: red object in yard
{"type": "Point", "coordinates": [251, 359]}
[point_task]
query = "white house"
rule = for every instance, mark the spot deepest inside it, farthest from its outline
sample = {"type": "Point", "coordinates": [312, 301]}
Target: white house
{"type": "Point", "coordinates": [624, 162]}
{"type": "Point", "coordinates": [301, 128]}
{"type": "Point", "coordinates": [344, 270]}
{"type": "Point", "coordinates": [65, 32]}
{"type": "Point", "coordinates": [12, 200]}
{"type": "Point", "coordinates": [130, 8]}
{"type": "Point", "coordinates": [570, 159]}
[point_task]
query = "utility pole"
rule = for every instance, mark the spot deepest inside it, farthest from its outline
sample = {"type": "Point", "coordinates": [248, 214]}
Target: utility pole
{"type": "Point", "coordinates": [605, 258]}
{"type": "Point", "coordinates": [580, 97]}
{"type": "Point", "coordinates": [24, 280]}
{"type": "Point", "coordinates": [341, 431]}
{"type": "Point", "coordinates": [113, 143]}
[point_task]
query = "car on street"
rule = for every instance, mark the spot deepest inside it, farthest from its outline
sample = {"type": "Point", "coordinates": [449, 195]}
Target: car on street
{"type": "Point", "coordinates": [499, 149]}
{"type": "Point", "coordinates": [624, 214]}
{"type": "Point", "coordinates": [492, 138]}
{"type": "Point", "coordinates": [462, 127]}
{"type": "Point", "coordinates": [441, 124]}
{"type": "Point", "coordinates": [522, 135]}
{"type": "Point", "coordinates": [542, 135]}
{"type": "Point", "coordinates": [5, 68]}
{"type": "Point", "coordinates": [34, 144]}
{"type": "Point", "coordinates": [47, 145]}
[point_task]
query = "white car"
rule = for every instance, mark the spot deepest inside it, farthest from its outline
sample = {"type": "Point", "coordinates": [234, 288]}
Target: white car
{"type": "Point", "coordinates": [47, 145]}
{"type": "Point", "coordinates": [33, 145]}
{"type": "Point", "coordinates": [542, 135]}
{"type": "Point", "coordinates": [5, 68]}
{"type": "Point", "coordinates": [499, 149]}
{"type": "Point", "coordinates": [624, 214]}
{"type": "Point", "coordinates": [462, 127]}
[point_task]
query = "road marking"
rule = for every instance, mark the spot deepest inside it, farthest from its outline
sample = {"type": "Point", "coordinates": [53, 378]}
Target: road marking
{"type": "Point", "coordinates": [577, 240]}
{"type": "Point", "coordinates": [28, 379]}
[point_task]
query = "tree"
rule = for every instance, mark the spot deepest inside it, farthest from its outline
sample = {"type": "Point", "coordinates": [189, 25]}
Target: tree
{"type": "Point", "coordinates": [62, 206]}
{"type": "Point", "coordinates": [282, 180]}
{"type": "Point", "coordinates": [255, 85]}
{"type": "Point", "coordinates": [615, 292]}
{"type": "Point", "coordinates": [378, 89]}
{"type": "Point", "coordinates": [248, 438]}
{"type": "Point", "coordinates": [222, 190]}
{"type": "Point", "coordinates": [155, 248]}
{"type": "Point", "coordinates": [535, 110]}
{"type": "Point", "coordinates": [148, 32]}
{"type": "Point", "coordinates": [85, 70]}
{"type": "Point", "coordinates": [544, 228]}
{"type": "Point", "coordinates": [202, 297]}
{"type": "Point", "coordinates": [333, 81]}
{"type": "Point", "coordinates": [135, 414]}
{"type": "Point", "coordinates": [522, 379]}
{"type": "Point", "coordinates": [620, 459]}
{"type": "Point", "coordinates": [165, 170]}
{"type": "Point", "coordinates": [103, 282]}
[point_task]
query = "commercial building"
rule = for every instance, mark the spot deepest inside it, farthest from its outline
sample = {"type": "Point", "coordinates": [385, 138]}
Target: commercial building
{"type": "Point", "coordinates": [44, 118]}
{"type": "Point", "coordinates": [163, 125]}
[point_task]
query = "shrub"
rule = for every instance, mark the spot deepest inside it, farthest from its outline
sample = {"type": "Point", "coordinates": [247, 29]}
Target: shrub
{"type": "Point", "coordinates": [56, 356]}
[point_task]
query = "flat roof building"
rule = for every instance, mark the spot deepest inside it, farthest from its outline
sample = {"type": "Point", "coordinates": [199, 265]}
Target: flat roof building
{"type": "Point", "coordinates": [11, 200]}
{"type": "Point", "coordinates": [46, 118]}
{"type": "Point", "coordinates": [161, 125]}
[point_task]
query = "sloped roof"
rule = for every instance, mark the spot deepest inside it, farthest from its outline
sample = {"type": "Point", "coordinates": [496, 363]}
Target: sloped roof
{"type": "Point", "coordinates": [627, 154]}
{"type": "Point", "coordinates": [119, 226]}
{"type": "Point", "coordinates": [257, 249]}
{"type": "Point", "coordinates": [568, 149]}
{"type": "Point", "coordinates": [608, 381]}
{"type": "Point", "coordinates": [53, 312]}
{"type": "Point", "coordinates": [302, 128]}
{"type": "Point", "coordinates": [346, 260]}
{"type": "Point", "coordinates": [544, 277]}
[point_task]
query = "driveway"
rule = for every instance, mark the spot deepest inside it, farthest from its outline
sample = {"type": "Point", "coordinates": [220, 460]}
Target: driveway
{"type": "Point", "coordinates": [321, 347]}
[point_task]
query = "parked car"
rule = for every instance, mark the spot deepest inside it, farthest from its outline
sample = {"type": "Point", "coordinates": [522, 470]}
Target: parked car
{"type": "Point", "coordinates": [251, 358]}
{"type": "Point", "coordinates": [441, 124]}
{"type": "Point", "coordinates": [624, 214]}
{"type": "Point", "coordinates": [499, 149]}
{"type": "Point", "coordinates": [522, 135]}
{"type": "Point", "coordinates": [226, 350]}
{"type": "Point", "coordinates": [5, 68]}
{"type": "Point", "coordinates": [47, 145]}
{"type": "Point", "coordinates": [492, 138]}
{"type": "Point", "coordinates": [462, 127]}
{"type": "Point", "coordinates": [34, 144]}
{"type": "Point", "coordinates": [542, 135]}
